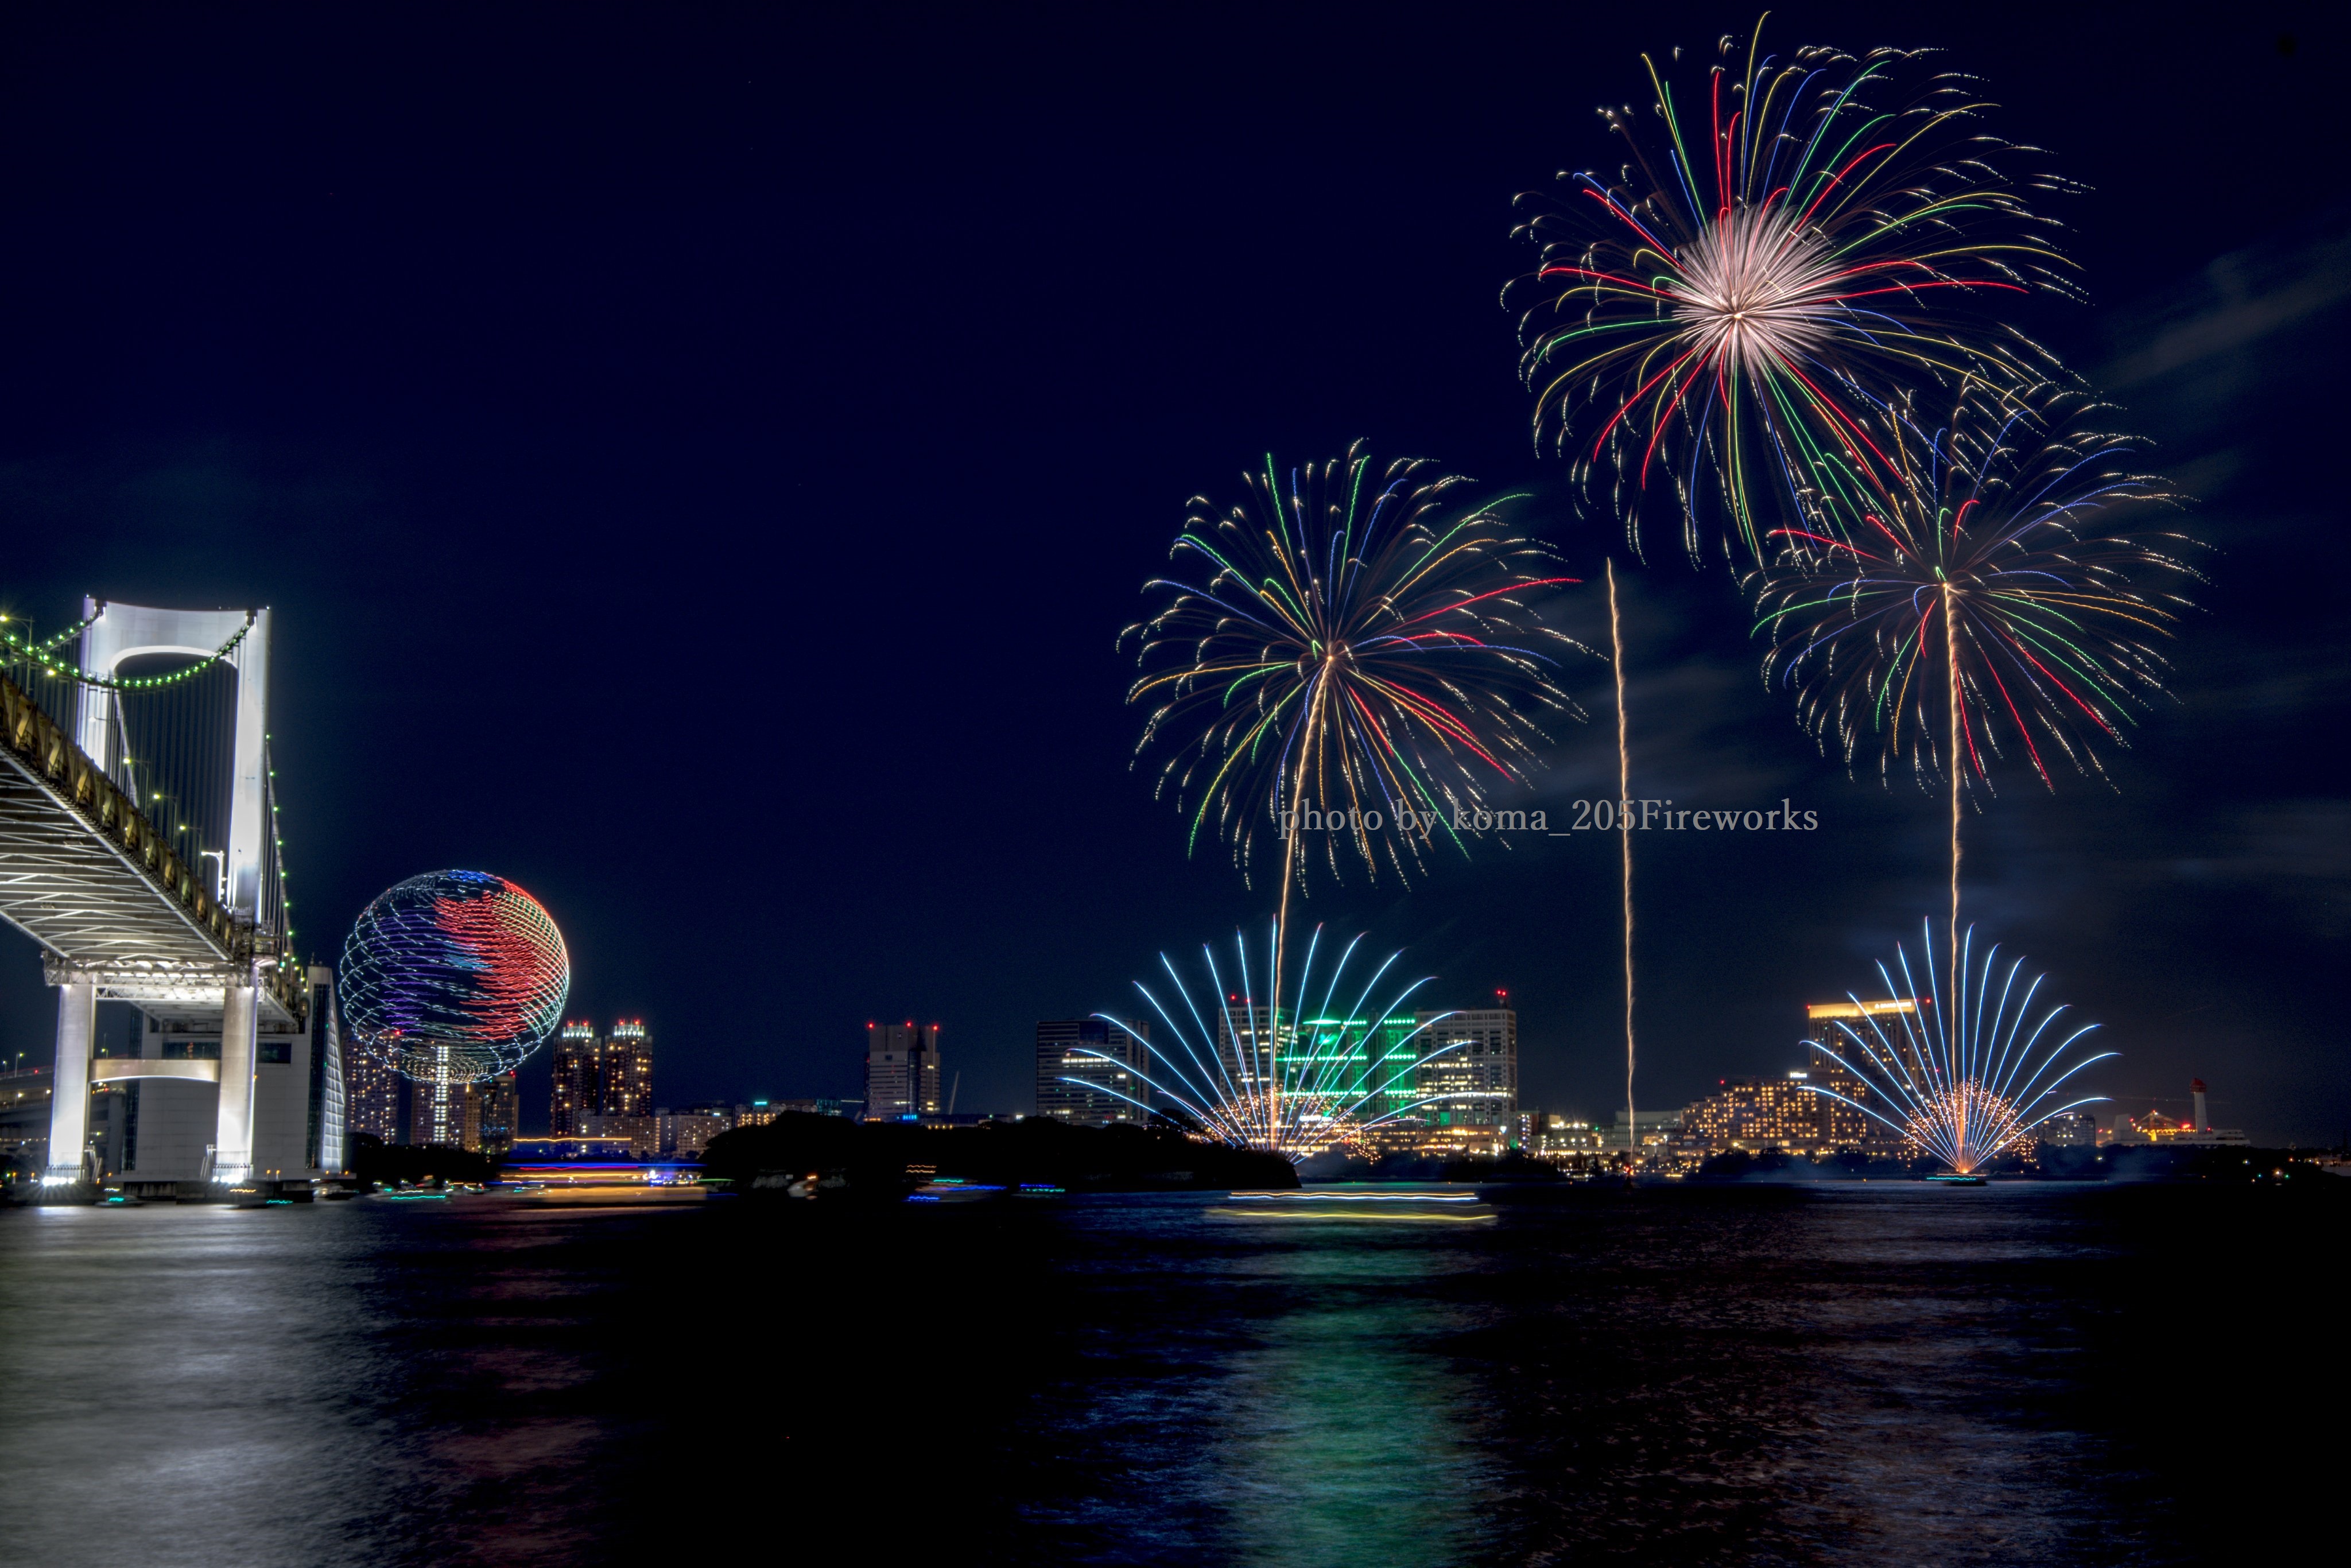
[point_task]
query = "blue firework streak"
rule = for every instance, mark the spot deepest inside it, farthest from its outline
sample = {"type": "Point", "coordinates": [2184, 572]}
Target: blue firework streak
{"type": "Point", "coordinates": [1964, 1077]}
{"type": "Point", "coordinates": [1331, 1069]}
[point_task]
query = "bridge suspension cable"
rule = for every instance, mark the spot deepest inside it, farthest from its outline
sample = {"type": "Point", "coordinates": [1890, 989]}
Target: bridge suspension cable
{"type": "Point", "coordinates": [170, 746]}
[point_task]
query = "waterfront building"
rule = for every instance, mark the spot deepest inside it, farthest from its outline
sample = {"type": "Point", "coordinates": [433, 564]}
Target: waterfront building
{"type": "Point", "coordinates": [373, 1093]}
{"type": "Point", "coordinates": [491, 1106]}
{"type": "Point", "coordinates": [2069, 1130]}
{"type": "Point", "coordinates": [1107, 1062]}
{"type": "Point", "coordinates": [1657, 1133]}
{"type": "Point", "coordinates": [1844, 1126]}
{"type": "Point", "coordinates": [1360, 1069]}
{"type": "Point", "coordinates": [1848, 1128]}
{"type": "Point", "coordinates": [437, 1112]}
{"type": "Point", "coordinates": [577, 1092]}
{"type": "Point", "coordinates": [603, 1087]}
{"type": "Point", "coordinates": [901, 1071]}
{"type": "Point", "coordinates": [760, 1113]}
{"type": "Point", "coordinates": [326, 1119]}
{"type": "Point", "coordinates": [1548, 1136]}
{"type": "Point", "coordinates": [688, 1130]}
{"type": "Point", "coordinates": [1245, 1039]}
{"type": "Point", "coordinates": [1758, 1114]}
{"type": "Point", "coordinates": [1475, 1083]}
{"type": "Point", "coordinates": [625, 1085]}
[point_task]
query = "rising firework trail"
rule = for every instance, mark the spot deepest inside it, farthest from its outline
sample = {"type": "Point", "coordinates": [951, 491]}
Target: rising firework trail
{"type": "Point", "coordinates": [1986, 605]}
{"type": "Point", "coordinates": [1624, 842]}
{"type": "Point", "coordinates": [1790, 242]}
{"type": "Point", "coordinates": [1243, 1072]}
{"type": "Point", "coordinates": [1963, 1073]}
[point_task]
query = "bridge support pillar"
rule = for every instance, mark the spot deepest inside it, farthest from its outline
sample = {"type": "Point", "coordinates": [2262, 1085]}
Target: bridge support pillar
{"type": "Point", "coordinates": [233, 1141]}
{"type": "Point", "coordinates": [70, 1089]}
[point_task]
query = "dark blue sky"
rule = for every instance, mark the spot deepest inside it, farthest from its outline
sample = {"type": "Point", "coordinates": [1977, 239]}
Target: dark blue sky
{"type": "Point", "coordinates": [701, 460]}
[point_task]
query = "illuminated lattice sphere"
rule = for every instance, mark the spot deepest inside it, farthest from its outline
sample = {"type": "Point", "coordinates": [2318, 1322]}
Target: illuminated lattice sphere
{"type": "Point", "coordinates": [454, 976]}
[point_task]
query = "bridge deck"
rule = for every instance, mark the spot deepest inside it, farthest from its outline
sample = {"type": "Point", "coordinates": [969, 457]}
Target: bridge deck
{"type": "Point", "coordinates": [85, 874]}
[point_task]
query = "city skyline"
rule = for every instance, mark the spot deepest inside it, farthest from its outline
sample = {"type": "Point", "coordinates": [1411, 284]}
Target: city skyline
{"type": "Point", "coordinates": [1440, 787]}
{"type": "Point", "coordinates": [944, 882]}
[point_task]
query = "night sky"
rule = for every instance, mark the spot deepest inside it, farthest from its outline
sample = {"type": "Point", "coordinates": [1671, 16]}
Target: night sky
{"type": "Point", "coordinates": [700, 466]}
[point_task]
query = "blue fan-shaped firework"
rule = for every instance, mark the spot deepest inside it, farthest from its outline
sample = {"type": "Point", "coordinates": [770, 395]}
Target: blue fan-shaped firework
{"type": "Point", "coordinates": [454, 976]}
{"type": "Point", "coordinates": [1962, 1073]}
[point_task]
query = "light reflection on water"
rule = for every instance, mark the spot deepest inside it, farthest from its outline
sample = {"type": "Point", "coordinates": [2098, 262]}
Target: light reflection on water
{"type": "Point", "coordinates": [1888, 1374]}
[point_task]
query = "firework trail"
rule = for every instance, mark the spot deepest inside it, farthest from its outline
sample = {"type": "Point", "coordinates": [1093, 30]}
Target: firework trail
{"type": "Point", "coordinates": [1960, 1073]}
{"type": "Point", "coordinates": [1246, 1074]}
{"type": "Point", "coordinates": [1988, 588]}
{"type": "Point", "coordinates": [1796, 241]}
{"type": "Point", "coordinates": [1625, 841]}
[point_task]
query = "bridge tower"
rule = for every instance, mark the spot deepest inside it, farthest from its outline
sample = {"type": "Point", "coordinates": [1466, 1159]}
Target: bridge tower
{"type": "Point", "coordinates": [184, 919]}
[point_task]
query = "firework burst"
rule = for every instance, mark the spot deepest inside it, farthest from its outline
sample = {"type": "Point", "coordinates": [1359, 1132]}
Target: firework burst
{"type": "Point", "coordinates": [1984, 604]}
{"type": "Point", "coordinates": [1961, 1073]}
{"type": "Point", "coordinates": [1353, 657]}
{"type": "Point", "coordinates": [1244, 1071]}
{"type": "Point", "coordinates": [1802, 239]}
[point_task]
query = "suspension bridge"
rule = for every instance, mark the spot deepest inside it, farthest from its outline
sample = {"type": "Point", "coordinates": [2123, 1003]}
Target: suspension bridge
{"type": "Point", "coordinates": [140, 848]}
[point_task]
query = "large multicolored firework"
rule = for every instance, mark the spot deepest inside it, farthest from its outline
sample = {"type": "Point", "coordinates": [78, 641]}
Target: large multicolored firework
{"type": "Point", "coordinates": [1721, 325]}
{"type": "Point", "coordinates": [1352, 659]}
{"type": "Point", "coordinates": [454, 976]}
{"type": "Point", "coordinates": [1982, 604]}
{"type": "Point", "coordinates": [1957, 1072]}
{"type": "Point", "coordinates": [1985, 603]}
{"type": "Point", "coordinates": [1244, 1071]}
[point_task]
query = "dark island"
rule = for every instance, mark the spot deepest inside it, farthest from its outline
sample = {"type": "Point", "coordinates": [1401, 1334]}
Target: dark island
{"type": "Point", "coordinates": [887, 1160]}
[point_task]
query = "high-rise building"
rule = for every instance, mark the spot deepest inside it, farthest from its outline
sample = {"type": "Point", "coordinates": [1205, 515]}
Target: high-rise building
{"type": "Point", "coordinates": [1089, 1070]}
{"type": "Point", "coordinates": [326, 1135]}
{"type": "Point", "coordinates": [1471, 1078]}
{"type": "Point", "coordinates": [1357, 1071]}
{"type": "Point", "coordinates": [436, 1111]}
{"type": "Point", "coordinates": [490, 1110]}
{"type": "Point", "coordinates": [1887, 1027]}
{"type": "Point", "coordinates": [371, 1097]}
{"type": "Point", "coordinates": [578, 1093]}
{"type": "Point", "coordinates": [604, 1088]}
{"type": "Point", "coordinates": [625, 1079]}
{"type": "Point", "coordinates": [901, 1071]}
{"type": "Point", "coordinates": [1247, 1054]}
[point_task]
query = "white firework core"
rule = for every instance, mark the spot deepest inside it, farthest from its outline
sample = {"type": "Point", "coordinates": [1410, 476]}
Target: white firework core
{"type": "Point", "coordinates": [1966, 1124]}
{"type": "Point", "coordinates": [1755, 291]}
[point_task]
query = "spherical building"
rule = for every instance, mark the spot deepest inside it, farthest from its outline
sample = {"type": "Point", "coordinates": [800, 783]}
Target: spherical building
{"type": "Point", "coordinates": [452, 977]}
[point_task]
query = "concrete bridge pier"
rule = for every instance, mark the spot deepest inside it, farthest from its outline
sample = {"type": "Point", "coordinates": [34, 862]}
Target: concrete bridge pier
{"type": "Point", "coordinates": [69, 1088]}
{"type": "Point", "coordinates": [240, 1021]}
